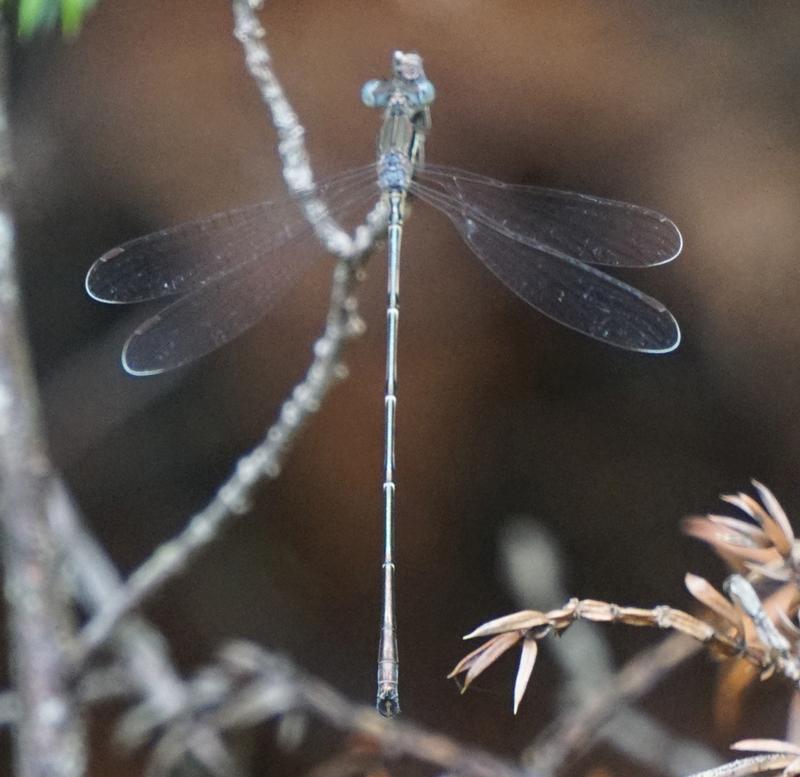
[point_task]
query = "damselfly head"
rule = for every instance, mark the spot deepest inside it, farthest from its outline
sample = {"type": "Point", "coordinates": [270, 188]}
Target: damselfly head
{"type": "Point", "coordinates": [407, 65]}
{"type": "Point", "coordinates": [408, 83]}
{"type": "Point", "coordinates": [408, 68]}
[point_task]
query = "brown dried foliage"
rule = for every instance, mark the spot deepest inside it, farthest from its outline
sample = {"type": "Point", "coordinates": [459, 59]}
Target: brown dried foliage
{"type": "Point", "coordinates": [755, 619]}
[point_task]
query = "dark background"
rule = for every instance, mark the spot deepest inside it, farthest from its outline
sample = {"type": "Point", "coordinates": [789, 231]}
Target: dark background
{"type": "Point", "coordinates": [149, 118]}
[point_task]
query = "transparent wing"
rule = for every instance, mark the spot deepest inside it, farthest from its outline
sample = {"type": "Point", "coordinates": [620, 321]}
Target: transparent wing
{"type": "Point", "coordinates": [562, 287]}
{"type": "Point", "coordinates": [592, 229]}
{"type": "Point", "coordinates": [178, 259]}
{"type": "Point", "coordinates": [217, 311]}
{"type": "Point", "coordinates": [209, 317]}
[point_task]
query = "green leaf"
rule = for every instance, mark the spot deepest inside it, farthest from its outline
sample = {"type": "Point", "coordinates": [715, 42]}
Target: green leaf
{"type": "Point", "coordinates": [72, 14]}
{"type": "Point", "coordinates": [33, 16]}
{"type": "Point", "coordinates": [29, 16]}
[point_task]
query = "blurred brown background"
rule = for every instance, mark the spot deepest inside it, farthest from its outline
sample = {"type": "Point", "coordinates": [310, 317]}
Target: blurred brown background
{"type": "Point", "coordinates": [149, 118]}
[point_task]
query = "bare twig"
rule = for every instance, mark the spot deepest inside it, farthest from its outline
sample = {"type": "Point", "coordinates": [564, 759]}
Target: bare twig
{"type": "Point", "coordinates": [94, 581]}
{"type": "Point", "coordinates": [49, 739]}
{"type": "Point", "coordinates": [264, 462]}
{"type": "Point", "coordinates": [144, 669]}
{"type": "Point", "coordinates": [597, 701]}
{"type": "Point", "coordinates": [570, 733]}
{"type": "Point", "coordinates": [774, 755]}
{"type": "Point", "coordinates": [291, 146]}
{"type": "Point", "coordinates": [756, 624]}
{"type": "Point", "coordinates": [96, 685]}
{"type": "Point", "coordinates": [509, 630]}
{"type": "Point", "coordinates": [252, 685]}
{"type": "Point", "coordinates": [754, 764]}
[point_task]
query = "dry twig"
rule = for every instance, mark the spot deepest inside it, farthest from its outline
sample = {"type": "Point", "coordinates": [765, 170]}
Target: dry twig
{"type": "Point", "coordinates": [49, 739]}
{"type": "Point", "coordinates": [42, 672]}
{"type": "Point", "coordinates": [774, 756]}
{"type": "Point", "coordinates": [597, 702]}
{"type": "Point", "coordinates": [752, 622]}
{"type": "Point", "coordinates": [251, 685]}
{"type": "Point", "coordinates": [263, 462]}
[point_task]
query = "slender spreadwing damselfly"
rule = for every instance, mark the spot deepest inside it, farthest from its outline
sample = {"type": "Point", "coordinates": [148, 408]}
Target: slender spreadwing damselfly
{"type": "Point", "coordinates": [228, 270]}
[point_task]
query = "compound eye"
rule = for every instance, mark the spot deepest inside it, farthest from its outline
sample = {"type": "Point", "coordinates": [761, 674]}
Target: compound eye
{"type": "Point", "coordinates": [425, 92]}
{"type": "Point", "coordinates": [374, 94]}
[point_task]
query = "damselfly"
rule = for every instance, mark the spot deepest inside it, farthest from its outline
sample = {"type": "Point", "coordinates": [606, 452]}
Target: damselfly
{"type": "Point", "coordinates": [228, 270]}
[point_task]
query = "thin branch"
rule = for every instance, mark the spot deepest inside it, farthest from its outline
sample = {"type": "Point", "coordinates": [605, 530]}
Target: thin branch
{"type": "Point", "coordinates": [264, 462]}
{"type": "Point", "coordinates": [575, 729]}
{"type": "Point", "coordinates": [291, 146]}
{"type": "Point", "coordinates": [758, 630]}
{"type": "Point", "coordinates": [254, 685]}
{"type": "Point", "coordinates": [49, 739]}
{"type": "Point", "coordinates": [144, 670]}
{"type": "Point", "coordinates": [724, 642]}
{"type": "Point", "coordinates": [597, 701]}
{"type": "Point", "coordinates": [94, 580]}
{"type": "Point", "coordinates": [754, 764]}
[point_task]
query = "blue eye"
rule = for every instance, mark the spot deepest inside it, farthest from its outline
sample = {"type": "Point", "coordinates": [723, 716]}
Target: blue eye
{"type": "Point", "coordinates": [426, 93]}
{"type": "Point", "coordinates": [374, 94]}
